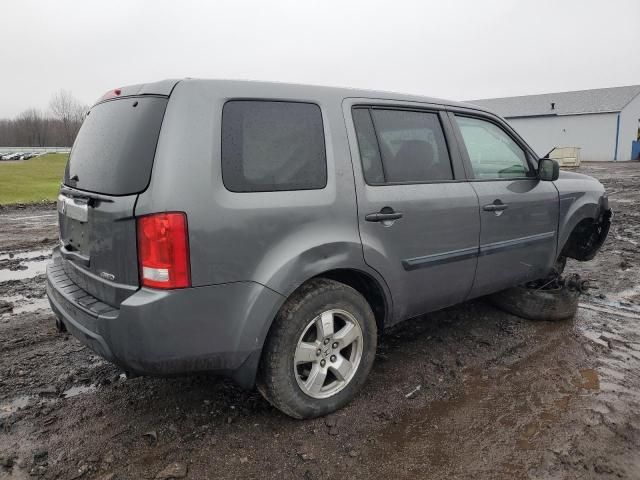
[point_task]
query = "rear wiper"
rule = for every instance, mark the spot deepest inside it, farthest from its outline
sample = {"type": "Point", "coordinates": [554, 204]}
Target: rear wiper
{"type": "Point", "coordinates": [72, 192]}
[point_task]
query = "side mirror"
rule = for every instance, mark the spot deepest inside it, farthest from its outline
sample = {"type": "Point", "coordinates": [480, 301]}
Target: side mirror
{"type": "Point", "coordinates": [548, 169]}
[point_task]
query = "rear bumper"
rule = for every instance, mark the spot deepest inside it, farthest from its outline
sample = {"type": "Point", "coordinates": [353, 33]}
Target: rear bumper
{"type": "Point", "coordinates": [218, 328]}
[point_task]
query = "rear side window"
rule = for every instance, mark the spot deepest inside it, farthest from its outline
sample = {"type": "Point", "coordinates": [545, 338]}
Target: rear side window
{"type": "Point", "coordinates": [114, 150]}
{"type": "Point", "coordinates": [272, 146]}
{"type": "Point", "coordinates": [401, 146]}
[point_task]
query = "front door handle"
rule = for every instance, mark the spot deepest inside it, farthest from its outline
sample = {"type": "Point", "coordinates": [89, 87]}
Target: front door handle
{"type": "Point", "coordinates": [496, 206]}
{"type": "Point", "coordinates": [384, 215]}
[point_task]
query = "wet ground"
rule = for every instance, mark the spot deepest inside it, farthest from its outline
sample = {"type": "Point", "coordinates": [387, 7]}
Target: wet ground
{"type": "Point", "coordinates": [467, 393]}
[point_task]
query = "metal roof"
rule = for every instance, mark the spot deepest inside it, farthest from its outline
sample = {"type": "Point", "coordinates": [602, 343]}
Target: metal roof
{"type": "Point", "coordinates": [599, 100]}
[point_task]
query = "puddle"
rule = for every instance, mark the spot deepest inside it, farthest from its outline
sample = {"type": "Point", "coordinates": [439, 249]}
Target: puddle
{"type": "Point", "coordinates": [33, 305]}
{"type": "Point", "coordinates": [31, 221]}
{"type": "Point", "coordinates": [34, 268]}
{"type": "Point", "coordinates": [78, 390]}
{"type": "Point", "coordinates": [14, 405]}
{"type": "Point", "coordinates": [26, 255]}
{"type": "Point", "coordinates": [22, 304]}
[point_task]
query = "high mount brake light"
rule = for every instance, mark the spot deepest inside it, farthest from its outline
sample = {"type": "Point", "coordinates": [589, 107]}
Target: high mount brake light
{"type": "Point", "coordinates": [111, 94]}
{"type": "Point", "coordinates": [163, 250]}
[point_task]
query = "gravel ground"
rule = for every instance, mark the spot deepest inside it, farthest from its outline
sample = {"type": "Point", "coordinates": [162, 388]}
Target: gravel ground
{"type": "Point", "coordinates": [467, 392]}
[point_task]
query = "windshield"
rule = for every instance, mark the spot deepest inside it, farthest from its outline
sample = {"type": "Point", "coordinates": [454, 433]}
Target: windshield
{"type": "Point", "coordinates": [113, 153]}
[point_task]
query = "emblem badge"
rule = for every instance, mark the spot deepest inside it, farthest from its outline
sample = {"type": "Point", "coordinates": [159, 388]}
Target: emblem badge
{"type": "Point", "coordinates": [108, 276]}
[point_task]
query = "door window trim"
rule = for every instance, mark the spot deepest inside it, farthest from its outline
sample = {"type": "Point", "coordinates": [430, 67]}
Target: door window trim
{"type": "Point", "coordinates": [464, 153]}
{"type": "Point", "coordinates": [449, 139]}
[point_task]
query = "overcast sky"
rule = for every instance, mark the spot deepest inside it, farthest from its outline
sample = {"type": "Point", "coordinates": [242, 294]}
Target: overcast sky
{"type": "Point", "coordinates": [451, 49]}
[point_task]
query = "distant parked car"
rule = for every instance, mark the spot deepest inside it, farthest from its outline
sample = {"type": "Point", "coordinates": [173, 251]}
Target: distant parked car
{"type": "Point", "coordinates": [30, 155]}
{"type": "Point", "coordinates": [14, 156]}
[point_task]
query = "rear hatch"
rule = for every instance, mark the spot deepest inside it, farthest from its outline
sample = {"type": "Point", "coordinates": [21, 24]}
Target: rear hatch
{"type": "Point", "coordinates": [109, 165]}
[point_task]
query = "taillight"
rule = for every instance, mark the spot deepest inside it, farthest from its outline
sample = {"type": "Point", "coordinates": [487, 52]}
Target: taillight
{"type": "Point", "coordinates": [163, 250]}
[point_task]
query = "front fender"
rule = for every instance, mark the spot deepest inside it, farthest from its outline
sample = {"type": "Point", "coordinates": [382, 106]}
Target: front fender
{"type": "Point", "coordinates": [574, 208]}
{"type": "Point", "coordinates": [585, 219]}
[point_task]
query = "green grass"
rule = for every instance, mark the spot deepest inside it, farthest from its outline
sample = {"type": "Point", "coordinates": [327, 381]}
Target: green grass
{"type": "Point", "coordinates": [30, 181]}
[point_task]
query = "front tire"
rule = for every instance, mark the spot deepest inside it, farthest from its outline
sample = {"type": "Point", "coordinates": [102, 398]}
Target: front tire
{"type": "Point", "coordinates": [319, 350]}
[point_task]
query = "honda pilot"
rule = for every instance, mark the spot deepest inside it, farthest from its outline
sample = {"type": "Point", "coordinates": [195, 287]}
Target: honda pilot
{"type": "Point", "coordinates": [270, 232]}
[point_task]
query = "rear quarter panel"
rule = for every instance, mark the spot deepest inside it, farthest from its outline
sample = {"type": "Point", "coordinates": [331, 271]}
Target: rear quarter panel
{"type": "Point", "coordinates": [278, 239]}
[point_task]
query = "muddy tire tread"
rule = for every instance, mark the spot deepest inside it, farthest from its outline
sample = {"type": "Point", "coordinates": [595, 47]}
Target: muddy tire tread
{"type": "Point", "coordinates": [274, 380]}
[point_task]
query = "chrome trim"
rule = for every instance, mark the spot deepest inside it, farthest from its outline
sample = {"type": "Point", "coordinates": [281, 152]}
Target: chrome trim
{"type": "Point", "coordinates": [75, 210]}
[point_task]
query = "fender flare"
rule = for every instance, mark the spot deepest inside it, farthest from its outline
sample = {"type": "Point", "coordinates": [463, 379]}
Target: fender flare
{"type": "Point", "coordinates": [600, 216]}
{"type": "Point", "coordinates": [278, 283]}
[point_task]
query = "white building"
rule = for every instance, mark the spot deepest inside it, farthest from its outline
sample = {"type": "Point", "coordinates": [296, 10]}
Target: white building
{"type": "Point", "coordinates": [604, 123]}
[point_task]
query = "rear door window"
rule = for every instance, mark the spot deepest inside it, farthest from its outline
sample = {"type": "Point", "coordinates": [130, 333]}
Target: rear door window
{"type": "Point", "coordinates": [272, 146]}
{"type": "Point", "coordinates": [401, 146]}
{"type": "Point", "coordinates": [368, 145]}
{"type": "Point", "coordinates": [114, 150]}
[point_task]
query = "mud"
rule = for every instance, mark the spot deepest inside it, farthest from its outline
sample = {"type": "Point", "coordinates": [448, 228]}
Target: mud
{"type": "Point", "coordinates": [467, 392]}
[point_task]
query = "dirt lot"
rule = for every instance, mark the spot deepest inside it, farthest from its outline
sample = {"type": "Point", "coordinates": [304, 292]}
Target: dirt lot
{"type": "Point", "coordinates": [494, 396]}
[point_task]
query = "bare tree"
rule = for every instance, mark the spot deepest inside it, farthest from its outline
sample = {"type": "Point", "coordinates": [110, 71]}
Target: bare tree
{"type": "Point", "coordinates": [69, 111]}
{"type": "Point", "coordinates": [31, 128]}
{"type": "Point", "coordinates": [56, 128]}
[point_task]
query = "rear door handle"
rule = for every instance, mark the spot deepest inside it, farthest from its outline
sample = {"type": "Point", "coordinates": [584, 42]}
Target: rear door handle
{"type": "Point", "coordinates": [383, 215]}
{"type": "Point", "coordinates": [496, 206]}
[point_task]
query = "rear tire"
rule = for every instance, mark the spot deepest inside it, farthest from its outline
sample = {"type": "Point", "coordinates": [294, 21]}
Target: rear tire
{"type": "Point", "coordinates": [319, 350]}
{"type": "Point", "coordinates": [551, 305]}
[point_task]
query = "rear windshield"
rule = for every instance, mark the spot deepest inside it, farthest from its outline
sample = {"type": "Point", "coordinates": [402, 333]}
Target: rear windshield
{"type": "Point", "coordinates": [113, 153]}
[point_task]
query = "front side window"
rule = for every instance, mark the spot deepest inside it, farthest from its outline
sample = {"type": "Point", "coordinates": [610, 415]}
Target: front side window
{"type": "Point", "coordinates": [401, 146]}
{"type": "Point", "coordinates": [272, 146]}
{"type": "Point", "coordinates": [493, 153]}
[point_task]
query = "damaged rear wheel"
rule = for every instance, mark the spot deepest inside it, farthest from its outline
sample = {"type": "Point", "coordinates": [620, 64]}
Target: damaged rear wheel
{"type": "Point", "coordinates": [551, 300]}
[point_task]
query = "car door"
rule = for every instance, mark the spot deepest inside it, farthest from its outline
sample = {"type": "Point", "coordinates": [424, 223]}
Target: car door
{"type": "Point", "coordinates": [518, 211]}
{"type": "Point", "coordinates": [418, 217]}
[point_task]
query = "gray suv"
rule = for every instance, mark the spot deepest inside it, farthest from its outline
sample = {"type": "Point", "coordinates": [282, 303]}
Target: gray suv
{"type": "Point", "coordinates": [269, 232]}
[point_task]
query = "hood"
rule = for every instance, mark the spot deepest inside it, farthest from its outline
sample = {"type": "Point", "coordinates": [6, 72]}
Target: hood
{"type": "Point", "coordinates": [566, 175]}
